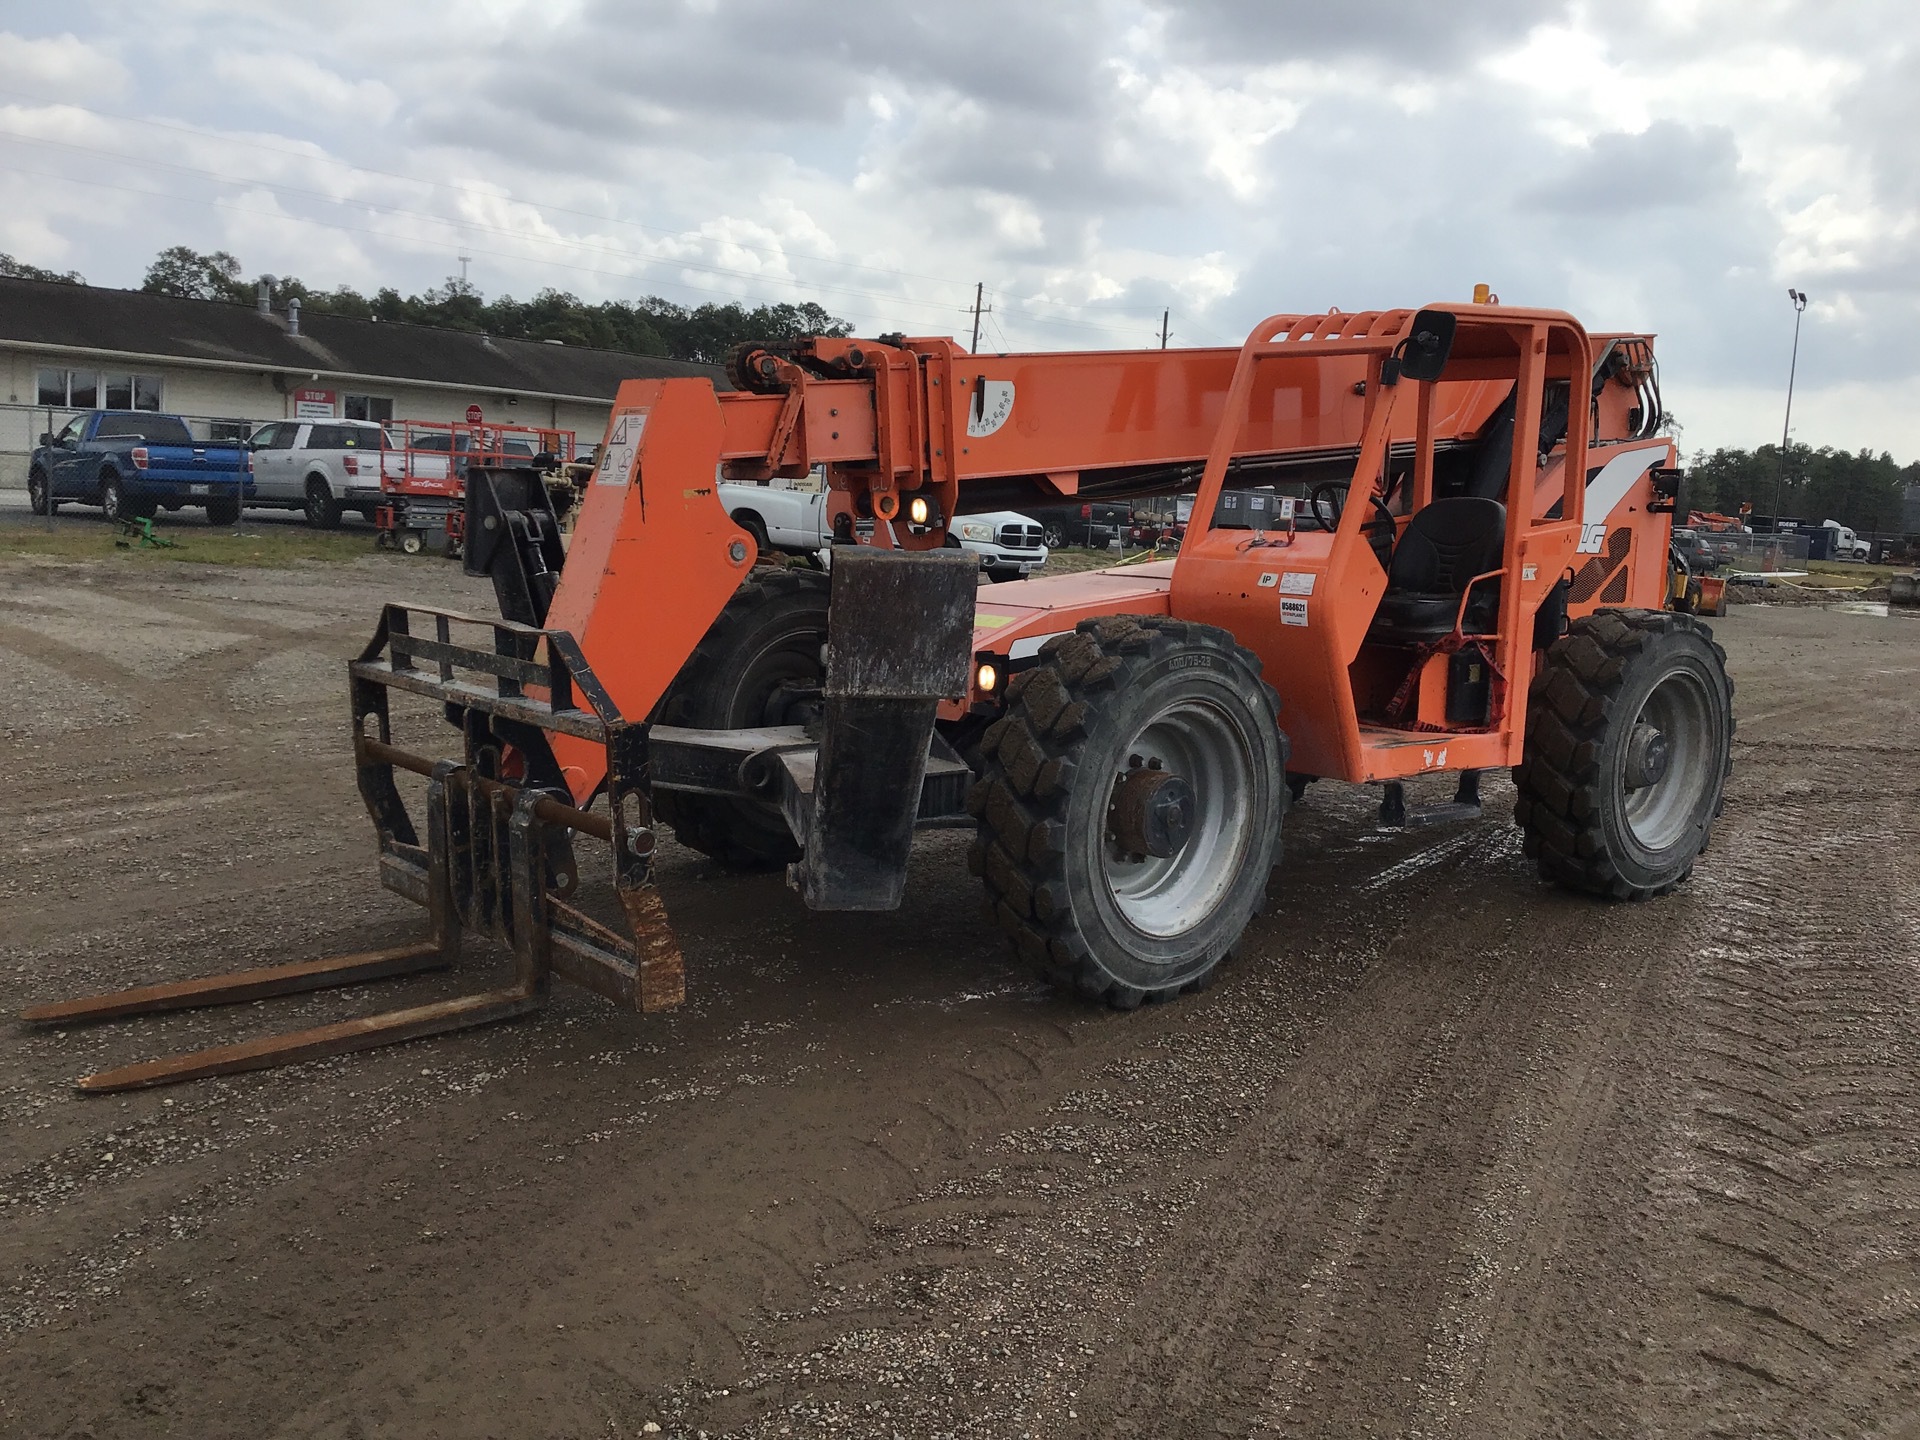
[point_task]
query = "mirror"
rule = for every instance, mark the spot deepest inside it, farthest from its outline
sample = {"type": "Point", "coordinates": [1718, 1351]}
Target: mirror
{"type": "Point", "coordinates": [1423, 354]}
{"type": "Point", "coordinates": [46, 437]}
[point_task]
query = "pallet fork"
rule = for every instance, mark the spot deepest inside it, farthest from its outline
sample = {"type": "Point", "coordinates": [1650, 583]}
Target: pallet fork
{"type": "Point", "coordinates": [497, 859]}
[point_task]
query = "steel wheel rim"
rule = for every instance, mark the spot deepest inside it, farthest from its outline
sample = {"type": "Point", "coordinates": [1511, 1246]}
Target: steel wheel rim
{"type": "Point", "coordinates": [1660, 814]}
{"type": "Point", "coordinates": [1166, 897]}
{"type": "Point", "coordinates": [110, 500]}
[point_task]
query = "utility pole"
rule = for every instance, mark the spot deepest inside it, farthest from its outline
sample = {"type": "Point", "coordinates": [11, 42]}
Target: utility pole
{"type": "Point", "coordinates": [465, 260]}
{"type": "Point", "coordinates": [1799, 299]}
{"type": "Point", "coordinates": [1165, 316]}
{"type": "Point", "coordinates": [979, 294]}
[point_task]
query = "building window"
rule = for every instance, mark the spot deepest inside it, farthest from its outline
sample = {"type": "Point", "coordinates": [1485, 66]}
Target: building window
{"type": "Point", "coordinates": [82, 390]}
{"type": "Point", "coordinates": [370, 407]}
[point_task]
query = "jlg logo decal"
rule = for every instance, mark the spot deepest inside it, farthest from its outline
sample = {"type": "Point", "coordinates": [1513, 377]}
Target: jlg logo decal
{"type": "Point", "coordinates": [1608, 488]}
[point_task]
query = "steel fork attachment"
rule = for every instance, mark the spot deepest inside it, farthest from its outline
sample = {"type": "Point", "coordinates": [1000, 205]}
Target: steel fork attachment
{"type": "Point", "coordinates": [497, 859]}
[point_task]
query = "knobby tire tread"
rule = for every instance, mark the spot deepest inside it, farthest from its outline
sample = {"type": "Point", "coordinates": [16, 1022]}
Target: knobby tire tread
{"type": "Point", "coordinates": [1569, 705]}
{"type": "Point", "coordinates": [1027, 763]}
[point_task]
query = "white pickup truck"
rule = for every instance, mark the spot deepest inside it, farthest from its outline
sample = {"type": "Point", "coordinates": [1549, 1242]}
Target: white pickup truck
{"type": "Point", "coordinates": [1010, 546]}
{"type": "Point", "coordinates": [321, 467]}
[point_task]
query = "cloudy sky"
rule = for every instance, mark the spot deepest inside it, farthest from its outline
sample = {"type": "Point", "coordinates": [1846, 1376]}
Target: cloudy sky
{"type": "Point", "coordinates": [1673, 165]}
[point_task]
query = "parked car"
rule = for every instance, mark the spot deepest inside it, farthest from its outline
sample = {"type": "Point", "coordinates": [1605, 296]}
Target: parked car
{"type": "Point", "coordinates": [323, 467]}
{"type": "Point", "coordinates": [1093, 523]}
{"type": "Point", "coordinates": [1700, 553]}
{"type": "Point", "coordinates": [1010, 546]}
{"type": "Point", "coordinates": [133, 462]}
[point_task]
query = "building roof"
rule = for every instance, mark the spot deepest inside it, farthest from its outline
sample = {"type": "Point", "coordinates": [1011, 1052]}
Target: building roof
{"type": "Point", "coordinates": [88, 317]}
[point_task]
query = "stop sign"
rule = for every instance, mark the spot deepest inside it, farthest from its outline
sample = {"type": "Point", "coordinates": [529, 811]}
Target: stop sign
{"type": "Point", "coordinates": [473, 415]}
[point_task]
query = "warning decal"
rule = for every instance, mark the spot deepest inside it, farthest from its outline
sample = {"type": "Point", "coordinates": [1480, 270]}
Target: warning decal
{"type": "Point", "coordinates": [623, 446]}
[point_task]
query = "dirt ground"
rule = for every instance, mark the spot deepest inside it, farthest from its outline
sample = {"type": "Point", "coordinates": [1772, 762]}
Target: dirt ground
{"type": "Point", "coordinates": [1444, 1153]}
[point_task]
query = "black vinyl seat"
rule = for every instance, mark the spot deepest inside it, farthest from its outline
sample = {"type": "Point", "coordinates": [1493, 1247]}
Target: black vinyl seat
{"type": "Point", "coordinates": [1443, 547]}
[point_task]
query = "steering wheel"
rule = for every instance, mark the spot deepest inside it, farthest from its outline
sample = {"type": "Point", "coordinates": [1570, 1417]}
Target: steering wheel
{"type": "Point", "coordinates": [1328, 501]}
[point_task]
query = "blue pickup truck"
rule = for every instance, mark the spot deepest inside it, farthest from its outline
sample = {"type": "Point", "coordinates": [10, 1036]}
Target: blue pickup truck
{"type": "Point", "coordinates": [133, 462]}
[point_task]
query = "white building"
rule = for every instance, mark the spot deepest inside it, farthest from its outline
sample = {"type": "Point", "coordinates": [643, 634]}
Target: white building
{"type": "Point", "coordinates": [230, 368]}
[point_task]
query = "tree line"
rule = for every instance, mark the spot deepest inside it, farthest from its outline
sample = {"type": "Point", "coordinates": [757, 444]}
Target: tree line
{"type": "Point", "coordinates": [1863, 489]}
{"type": "Point", "coordinates": [1859, 489]}
{"type": "Point", "coordinates": [647, 326]}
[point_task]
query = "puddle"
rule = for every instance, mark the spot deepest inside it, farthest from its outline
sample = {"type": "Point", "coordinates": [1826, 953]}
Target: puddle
{"type": "Point", "coordinates": [1875, 607]}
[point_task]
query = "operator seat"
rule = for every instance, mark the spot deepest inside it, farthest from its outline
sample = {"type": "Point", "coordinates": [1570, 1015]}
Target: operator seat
{"type": "Point", "coordinates": [1443, 547]}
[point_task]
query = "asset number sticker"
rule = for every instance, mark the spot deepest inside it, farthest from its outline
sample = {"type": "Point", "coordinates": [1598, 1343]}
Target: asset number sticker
{"type": "Point", "coordinates": [1293, 612]}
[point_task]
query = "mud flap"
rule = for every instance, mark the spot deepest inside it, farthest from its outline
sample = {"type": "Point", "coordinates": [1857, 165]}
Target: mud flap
{"type": "Point", "coordinates": [899, 638]}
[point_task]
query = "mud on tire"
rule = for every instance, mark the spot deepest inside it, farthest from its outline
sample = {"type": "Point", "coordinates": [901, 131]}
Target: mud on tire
{"type": "Point", "coordinates": [768, 638]}
{"type": "Point", "coordinates": [1091, 920]}
{"type": "Point", "coordinates": [1628, 749]}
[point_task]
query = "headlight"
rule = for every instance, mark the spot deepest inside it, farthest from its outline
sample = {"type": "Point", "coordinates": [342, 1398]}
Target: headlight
{"type": "Point", "coordinates": [987, 676]}
{"type": "Point", "coordinates": [919, 511]}
{"type": "Point", "coordinates": [976, 531]}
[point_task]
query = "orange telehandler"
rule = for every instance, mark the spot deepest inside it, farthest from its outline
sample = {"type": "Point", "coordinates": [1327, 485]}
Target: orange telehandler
{"type": "Point", "coordinates": [1422, 542]}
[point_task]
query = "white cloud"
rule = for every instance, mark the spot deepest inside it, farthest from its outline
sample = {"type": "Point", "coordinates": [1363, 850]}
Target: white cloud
{"type": "Point", "coordinates": [295, 84]}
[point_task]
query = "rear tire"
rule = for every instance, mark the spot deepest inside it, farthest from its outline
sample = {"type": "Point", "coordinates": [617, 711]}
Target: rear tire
{"type": "Point", "coordinates": [1093, 915]}
{"type": "Point", "coordinates": [322, 509]}
{"type": "Point", "coordinates": [223, 513]}
{"type": "Point", "coordinates": [40, 494]}
{"type": "Point", "coordinates": [767, 640]}
{"type": "Point", "coordinates": [116, 504]}
{"type": "Point", "coordinates": [1629, 745]}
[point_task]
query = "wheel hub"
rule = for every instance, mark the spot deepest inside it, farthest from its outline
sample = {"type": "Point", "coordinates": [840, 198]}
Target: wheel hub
{"type": "Point", "coordinates": [1152, 813]}
{"type": "Point", "coordinates": [1648, 755]}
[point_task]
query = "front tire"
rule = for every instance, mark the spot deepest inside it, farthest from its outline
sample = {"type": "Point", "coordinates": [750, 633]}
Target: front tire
{"type": "Point", "coordinates": [40, 494]}
{"type": "Point", "coordinates": [755, 666]}
{"type": "Point", "coordinates": [1629, 745]}
{"type": "Point", "coordinates": [757, 530]}
{"type": "Point", "coordinates": [1109, 880]}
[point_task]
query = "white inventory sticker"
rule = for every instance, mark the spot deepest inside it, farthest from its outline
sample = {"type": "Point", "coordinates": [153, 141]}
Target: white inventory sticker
{"type": "Point", "coordinates": [1298, 582]}
{"type": "Point", "coordinates": [1293, 612]}
{"type": "Point", "coordinates": [623, 442]}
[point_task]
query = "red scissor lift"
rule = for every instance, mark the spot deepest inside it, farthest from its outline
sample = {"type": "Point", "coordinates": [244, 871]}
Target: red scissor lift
{"type": "Point", "coordinates": [423, 477]}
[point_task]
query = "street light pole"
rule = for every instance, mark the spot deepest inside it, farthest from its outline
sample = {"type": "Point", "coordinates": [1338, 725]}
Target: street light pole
{"type": "Point", "coordinates": [1799, 299]}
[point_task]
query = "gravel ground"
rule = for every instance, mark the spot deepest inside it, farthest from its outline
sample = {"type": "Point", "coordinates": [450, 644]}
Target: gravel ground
{"type": "Point", "coordinates": [1444, 1153]}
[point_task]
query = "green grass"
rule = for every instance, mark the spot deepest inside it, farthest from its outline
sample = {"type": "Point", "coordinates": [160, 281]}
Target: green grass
{"type": "Point", "coordinates": [257, 546]}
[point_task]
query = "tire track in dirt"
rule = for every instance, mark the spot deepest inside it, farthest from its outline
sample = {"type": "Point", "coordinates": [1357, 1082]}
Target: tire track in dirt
{"type": "Point", "coordinates": [1801, 1149]}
